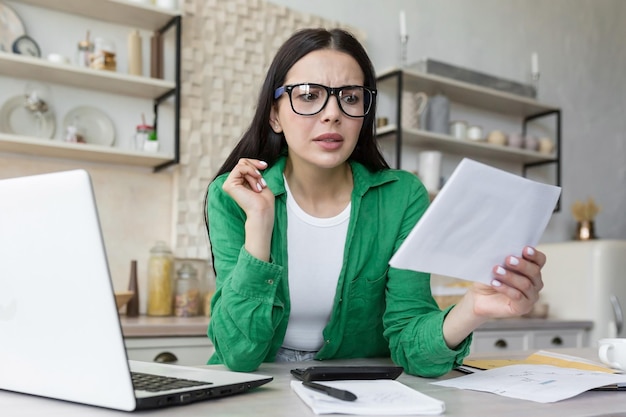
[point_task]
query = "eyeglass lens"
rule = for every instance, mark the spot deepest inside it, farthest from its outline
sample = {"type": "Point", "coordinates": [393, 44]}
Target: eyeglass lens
{"type": "Point", "coordinates": [309, 99]}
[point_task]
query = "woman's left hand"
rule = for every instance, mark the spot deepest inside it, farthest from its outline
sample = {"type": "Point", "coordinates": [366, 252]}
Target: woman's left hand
{"type": "Point", "coordinates": [514, 289]}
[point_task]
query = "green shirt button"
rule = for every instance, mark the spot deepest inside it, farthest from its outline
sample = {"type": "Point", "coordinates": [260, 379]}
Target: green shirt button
{"type": "Point", "coordinates": [270, 281]}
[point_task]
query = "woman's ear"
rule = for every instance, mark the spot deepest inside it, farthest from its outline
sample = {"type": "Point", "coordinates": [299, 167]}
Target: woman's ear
{"type": "Point", "coordinates": [274, 123]}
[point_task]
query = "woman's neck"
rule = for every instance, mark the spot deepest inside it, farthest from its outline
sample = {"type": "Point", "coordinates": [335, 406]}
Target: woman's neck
{"type": "Point", "coordinates": [320, 192]}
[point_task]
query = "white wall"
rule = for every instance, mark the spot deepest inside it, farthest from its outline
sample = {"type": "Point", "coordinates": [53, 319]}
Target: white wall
{"type": "Point", "coordinates": [582, 60]}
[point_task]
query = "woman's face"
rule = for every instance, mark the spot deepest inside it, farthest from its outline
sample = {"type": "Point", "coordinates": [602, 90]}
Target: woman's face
{"type": "Point", "coordinates": [325, 139]}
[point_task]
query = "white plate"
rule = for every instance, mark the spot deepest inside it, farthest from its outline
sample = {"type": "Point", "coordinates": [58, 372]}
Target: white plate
{"type": "Point", "coordinates": [94, 125]}
{"type": "Point", "coordinates": [15, 118]}
{"type": "Point", "coordinates": [11, 28]}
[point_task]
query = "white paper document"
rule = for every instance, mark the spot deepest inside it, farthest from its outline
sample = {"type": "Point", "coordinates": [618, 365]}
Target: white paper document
{"type": "Point", "coordinates": [374, 397]}
{"type": "Point", "coordinates": [539, 383]}
{"type": "Point", "coordinates": [481, 216]}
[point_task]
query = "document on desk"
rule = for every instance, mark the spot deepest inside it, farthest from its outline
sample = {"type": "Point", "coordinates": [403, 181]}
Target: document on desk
{"type": "Point", "coordinates": [539, 383]}
{"type": "Point", "coordinates": [374, 397]}
{"type": "Point", "coordinates": [479, 217]}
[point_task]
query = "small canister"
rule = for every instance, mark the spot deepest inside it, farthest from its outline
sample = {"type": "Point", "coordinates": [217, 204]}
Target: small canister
{"type": "Point", "coordinates": [475, 133]}
{"type": "Point", "coordinates": [458, 129]}
{"type": "Point", "coordinates": [84, 52]}
{"type": "Point", "coordinates": [143, 133]}
{"type": "Point", "coordinates": [187, 299]}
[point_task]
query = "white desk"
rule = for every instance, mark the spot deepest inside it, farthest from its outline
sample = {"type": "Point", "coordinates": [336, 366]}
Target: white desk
{"type": "Point", "coordinates": [276, 399]}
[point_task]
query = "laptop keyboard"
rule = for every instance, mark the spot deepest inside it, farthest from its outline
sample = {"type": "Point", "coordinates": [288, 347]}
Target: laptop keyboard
{"type": "Point", "coordinates": [156, 383]}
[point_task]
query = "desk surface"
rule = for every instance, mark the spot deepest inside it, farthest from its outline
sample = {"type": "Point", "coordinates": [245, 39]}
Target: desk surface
{"type": "Point", "coordinates": [276, 399]}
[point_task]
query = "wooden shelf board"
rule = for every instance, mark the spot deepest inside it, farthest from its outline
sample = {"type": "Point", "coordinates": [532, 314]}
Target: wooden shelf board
{"type": "Point", "coordinates": [20, 66]}
{"type": "Point", "coordinates": [82, 152]}
{"type": "Point", "coordinates": [449, 144]}
{"type": "Point", "coordinates": [122, 12]}
{"type": "Point", "coordinates": [471, 94]}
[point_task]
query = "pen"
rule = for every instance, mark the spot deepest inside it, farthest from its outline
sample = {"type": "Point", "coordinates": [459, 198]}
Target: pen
{"type": "Point", "coordinates": [333, 392]}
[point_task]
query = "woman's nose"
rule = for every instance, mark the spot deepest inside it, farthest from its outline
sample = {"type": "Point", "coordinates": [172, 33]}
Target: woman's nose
{"type": "Point", "coordinates": [332, 111]}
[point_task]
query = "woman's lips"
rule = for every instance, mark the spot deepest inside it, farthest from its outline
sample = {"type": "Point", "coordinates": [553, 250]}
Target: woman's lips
{"type": "Point", "coordinates": [329, 141]}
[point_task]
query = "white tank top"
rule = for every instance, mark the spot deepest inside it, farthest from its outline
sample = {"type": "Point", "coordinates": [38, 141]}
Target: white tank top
{"type": "Point", "coordinates": [315, 252]}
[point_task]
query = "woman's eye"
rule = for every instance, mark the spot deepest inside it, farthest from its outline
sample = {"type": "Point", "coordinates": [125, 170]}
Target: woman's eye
{"type": "Point", "coordinates": [351, 99]}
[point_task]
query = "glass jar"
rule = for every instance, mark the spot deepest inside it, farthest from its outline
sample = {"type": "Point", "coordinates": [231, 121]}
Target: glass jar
{"type": "Point", "coordinates": [160, 271]}
{"type": "Point", "coordinates": [83, 53]}
{"type": "Point", "coordinates": [143, 134]}
{"type": "Point", "coordinates": [187, 299]}
{"type": "Point", "coordinates": [103, 57]}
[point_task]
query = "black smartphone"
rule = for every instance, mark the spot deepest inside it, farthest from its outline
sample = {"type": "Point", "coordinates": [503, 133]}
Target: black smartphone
{"type": "Point", "coordinates": [335, 373]}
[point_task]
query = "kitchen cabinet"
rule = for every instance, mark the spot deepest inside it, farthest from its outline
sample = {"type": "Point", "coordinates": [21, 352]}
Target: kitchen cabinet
{"type": "Point", "coordinates": [530, 334]}
{"type": "Point", "coordinates": [474, 96]}
{"type": "Point", "coordinates": [179, 340]}
{"type": "Point", "coordinates": [190, 350]}
{"type": "Point", "coordinates": [121, 12]}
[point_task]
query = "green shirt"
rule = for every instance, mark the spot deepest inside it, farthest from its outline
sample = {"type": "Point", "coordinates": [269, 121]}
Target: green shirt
{"type": "Point", "coordinates": [378, 311]}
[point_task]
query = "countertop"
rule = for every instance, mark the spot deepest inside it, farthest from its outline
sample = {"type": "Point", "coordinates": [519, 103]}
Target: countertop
{"type": "Point", "coordinates": [147, 326]}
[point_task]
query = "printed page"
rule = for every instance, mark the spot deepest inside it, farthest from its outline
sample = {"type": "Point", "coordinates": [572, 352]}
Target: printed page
{"type": "Point", "coordinates": [374, 397]}
{"type": "Point", "coordinates": [539, 383]}
{"type": "Point", "coordinates": [481, 216]}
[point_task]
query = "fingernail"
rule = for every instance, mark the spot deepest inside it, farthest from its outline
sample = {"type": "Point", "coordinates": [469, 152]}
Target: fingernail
{"type": "Point", "coordinates": [513, 260]}
{"type": "Point", "coordinates": [496, 283]}
{"type": "Point", "coordinates": [263, 163]}
{"type": "Point", "coordinates": [500, 271]}
{"type": "Point", "coordinates": [258, 172]}
{"type": "Point", "coordinates": [530, 251]}
{"type": "Point", "coordinates": [258, 187]}
{"type": "Point", "coordinates": [263, 182]}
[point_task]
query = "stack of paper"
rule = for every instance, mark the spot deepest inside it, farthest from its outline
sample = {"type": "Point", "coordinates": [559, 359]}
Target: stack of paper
{"type": "Point", "coordinates": [539, 383]}
{"type": "Point", "coordinates": [374, 397]}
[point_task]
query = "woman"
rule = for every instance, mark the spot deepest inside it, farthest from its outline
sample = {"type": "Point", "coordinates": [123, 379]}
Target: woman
{"type": "Point", "coordinates": [304, 216]}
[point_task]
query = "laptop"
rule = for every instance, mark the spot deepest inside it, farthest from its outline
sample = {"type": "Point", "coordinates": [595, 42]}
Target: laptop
{"type": "Point", "coordinates": [60, 331]}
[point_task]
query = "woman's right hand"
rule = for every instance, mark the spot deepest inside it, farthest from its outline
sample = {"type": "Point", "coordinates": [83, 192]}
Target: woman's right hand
{"type": "Point", "coordinates": [246, 186]}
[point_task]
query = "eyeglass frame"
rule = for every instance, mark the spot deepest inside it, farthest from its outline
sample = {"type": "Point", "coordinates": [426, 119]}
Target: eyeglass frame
{"type": "Point", "coordinates": [330, 92]}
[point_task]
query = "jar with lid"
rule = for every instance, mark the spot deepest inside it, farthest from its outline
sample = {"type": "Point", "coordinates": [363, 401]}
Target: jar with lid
{"type": "Point", "coordinates": [187, 299]}
{"type": "Point", "coordinates": [160, 271]}
{"type": "Point", "coordinates": [143, 134]}
{"type": "Point", "coordinates": [84, 52]}
{"type": "Point", "coordinates": [103, 57]}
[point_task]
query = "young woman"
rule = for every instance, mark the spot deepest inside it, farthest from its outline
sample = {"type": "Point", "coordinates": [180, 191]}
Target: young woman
{"type": "Point", "coordinates": [304, 216]}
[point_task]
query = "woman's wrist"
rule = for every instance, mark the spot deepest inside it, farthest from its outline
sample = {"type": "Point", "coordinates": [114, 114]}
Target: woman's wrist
{"type": "Point", "coordinates": [461, 321]}
{"type": "Point", "coordinates": [259, 236]}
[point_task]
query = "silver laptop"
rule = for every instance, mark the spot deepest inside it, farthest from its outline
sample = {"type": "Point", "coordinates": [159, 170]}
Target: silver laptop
{"type": "Point", "coordinates": [60, 334]}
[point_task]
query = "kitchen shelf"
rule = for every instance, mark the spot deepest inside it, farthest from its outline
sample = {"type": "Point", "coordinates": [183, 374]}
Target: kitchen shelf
{"type": "Point", "coordinates": [466, 93]}
{"type": "Point", "coordinates": [450, 144]}
{"type": "Point", "coordinates": [123, 12]}
{"type": "Point", "coordinates": [20, 66]}
{"type": "Point", "coordinates": [79, 151]}
{"type": "Point", "coordinates": [127, 13]}
{"type": "Point", "coordinates": [495, 101]}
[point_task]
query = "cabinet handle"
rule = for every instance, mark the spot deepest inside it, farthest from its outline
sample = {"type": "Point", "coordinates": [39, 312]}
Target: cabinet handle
{"type": "Point", "coordinates": [500, 343]}
{"type": "Point", "coordinates": [165, 357]}
{"type": "Point", "coordinates": [557, 341]}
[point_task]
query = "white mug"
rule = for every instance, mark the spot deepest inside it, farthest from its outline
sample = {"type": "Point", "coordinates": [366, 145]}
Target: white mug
{"type": "Point", "coordinates": [612, 352]}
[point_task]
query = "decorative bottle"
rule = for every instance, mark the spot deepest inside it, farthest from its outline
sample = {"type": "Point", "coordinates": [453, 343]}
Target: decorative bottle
{"type": "Point", "coordinates": [132, 308]}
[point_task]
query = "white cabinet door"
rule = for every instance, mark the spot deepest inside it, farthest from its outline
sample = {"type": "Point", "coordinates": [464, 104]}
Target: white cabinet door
{"type": "Point", "coordinates": [175, 350]}
{"type": "Point", "coordinates": [552, 339]}
{"type": "Point", "coordinates": [500, 341]}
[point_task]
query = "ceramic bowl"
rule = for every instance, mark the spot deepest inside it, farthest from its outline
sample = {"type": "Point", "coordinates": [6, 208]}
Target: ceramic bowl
{"type": "Point", "coordinates": [122, 298]}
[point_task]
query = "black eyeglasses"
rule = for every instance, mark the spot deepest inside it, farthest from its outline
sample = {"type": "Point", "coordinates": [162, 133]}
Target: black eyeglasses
{"type": "Point", "coordinates": [308, 99]}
